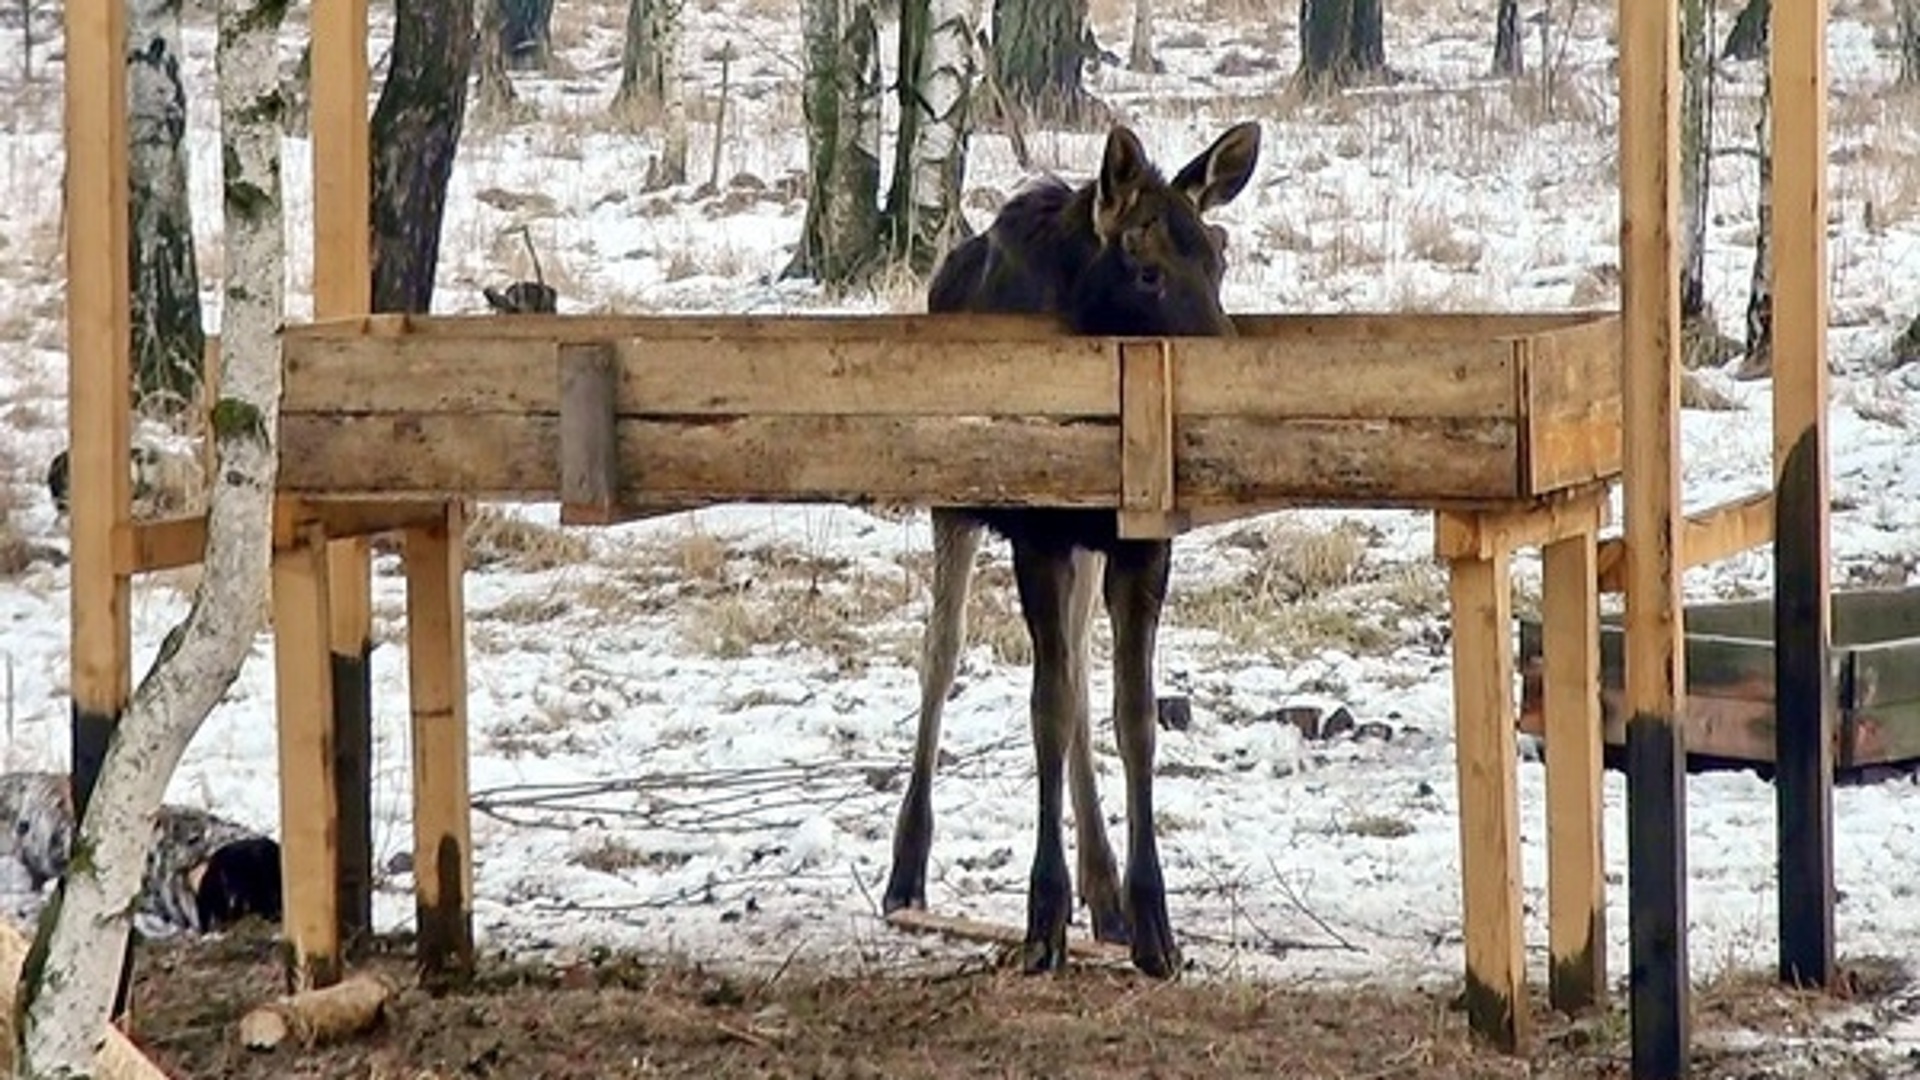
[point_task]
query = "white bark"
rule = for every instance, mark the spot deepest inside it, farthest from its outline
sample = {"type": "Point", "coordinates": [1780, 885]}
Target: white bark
{"type": "Point", "coordinates": [70, 983]}
{"type": "Point", "coordinates": [940, 138]}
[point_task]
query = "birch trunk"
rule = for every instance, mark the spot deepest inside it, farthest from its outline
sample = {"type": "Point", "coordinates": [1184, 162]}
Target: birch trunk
{"type": "Point", "coordinates": [493, 90]}
{"type": "Point", "coordinates": [1509, 58]}
{"type": "Point", "coordinates": [168, 338]}
{"type": "Point", "coordinates": [69, 978]}
{"type": "Point", "coordinates": [1140, 51]}
{"type": "Point", "coordinates": [841, 235]}
{"type": "Point", "coordinates": [936, 90]}
{"type": "Point", "coordinates": [1758, 363]}
{"type": "Point", "coordinates": [1696, 146]}
{"type": "Point", "coordinates": [1907, 12]}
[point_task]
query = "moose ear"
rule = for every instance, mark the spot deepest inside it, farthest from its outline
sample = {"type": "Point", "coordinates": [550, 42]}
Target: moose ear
{"type": "Point", "coordinates": [1216, 176]}
{"type": "Point", "coordinates": [1123, 168]}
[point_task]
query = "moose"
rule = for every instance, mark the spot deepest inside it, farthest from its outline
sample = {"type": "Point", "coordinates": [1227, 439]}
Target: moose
{"type": "Point", "coordinates": [1126, 254]}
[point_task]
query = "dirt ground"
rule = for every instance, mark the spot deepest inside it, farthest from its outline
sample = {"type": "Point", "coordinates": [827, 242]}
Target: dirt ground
{"type": "Point", "coordinates": [624, 1017]}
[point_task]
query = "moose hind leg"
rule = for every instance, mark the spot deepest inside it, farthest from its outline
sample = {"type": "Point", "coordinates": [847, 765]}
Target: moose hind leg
{"type": "Point", "coordinates": [1136, 589]}
{"type": "Point", "coordinates": [1099, 874]}
{"type": "Point", "coordinates": [956, 540]}
{"type": "Point", "coordinates": [1045, 578]}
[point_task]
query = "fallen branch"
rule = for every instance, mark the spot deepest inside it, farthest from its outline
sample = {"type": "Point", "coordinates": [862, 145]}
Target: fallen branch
{"type": "Point", "coordinates": [918, 921]}
{"type": "Point", "coordinates": [117, 1058]}
{"type": "Point", "coordinates": [313, 1016]}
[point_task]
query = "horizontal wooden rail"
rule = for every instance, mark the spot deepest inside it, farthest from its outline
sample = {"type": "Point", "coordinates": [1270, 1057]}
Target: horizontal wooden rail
{"type": "Point", "coordinates": [1706, 536]}
{"type": "Point", "coordinates": [141, 547]}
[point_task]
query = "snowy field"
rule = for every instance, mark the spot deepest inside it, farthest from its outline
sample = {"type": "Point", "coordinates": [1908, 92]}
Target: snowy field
{"type": "Point", "coordinates": [689, 733]}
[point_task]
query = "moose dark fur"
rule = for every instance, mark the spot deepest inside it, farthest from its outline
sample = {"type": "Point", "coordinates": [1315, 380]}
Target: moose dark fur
{"type": "Point", "coordinates": [1126, 254]}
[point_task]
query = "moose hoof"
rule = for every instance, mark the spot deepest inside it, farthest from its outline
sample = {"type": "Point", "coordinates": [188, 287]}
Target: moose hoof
{"type": "Point", "coordinates": [1110, 925]}
{"type": "Point", "coordinates": [1159, 959]}
{"type": "Point", "coordinates": [1041, 957]}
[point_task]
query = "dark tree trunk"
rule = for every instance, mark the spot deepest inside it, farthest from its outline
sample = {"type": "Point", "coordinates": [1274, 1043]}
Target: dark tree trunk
{"type": "Point", "coordinates": [1748, 38]}
{"type": "Point", "coordinates": [1039, 51]}
{"type": "Point", "coordinates": [169, 340]}
{"type": "Point", "coordinates": [1140, 47]}
{"type": "Point", "coordinates": [1342, 42]}
{"type": "Point", "coordinates": [652, 28]}
{"type": "Point", "coordinates": [1908, 14]}
{"type": "Point", "coordinates": [416, 133]}
{"type": "Point", "coordinates": [526, 33]}
{"type": "Point", "coordinates": [1509, 56]}
{"type": "Point", "coordinates": [493, 90]}
{"type": "Point", "coordinates": [1758, 363]}
{"type": "Point", "coordinates": [840, 241]}
{"type": "Point", "coordinates": [1696, 149]}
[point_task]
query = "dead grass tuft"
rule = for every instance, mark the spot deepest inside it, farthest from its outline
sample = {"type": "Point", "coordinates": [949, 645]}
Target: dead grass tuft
{"type": "Point", "coordinates": [783, 597]}
{"type": "Point", "coordinates": [496, 538]}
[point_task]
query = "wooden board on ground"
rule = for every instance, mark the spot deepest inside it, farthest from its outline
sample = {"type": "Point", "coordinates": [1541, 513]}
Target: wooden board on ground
{"type": "Point", "coordinates": [961, 928]}
{"type": "Point", "coordinates": [117, 1058]}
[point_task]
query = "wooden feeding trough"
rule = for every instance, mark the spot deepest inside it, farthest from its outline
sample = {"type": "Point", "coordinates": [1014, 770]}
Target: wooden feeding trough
{"type": "Point", "coordinates": [1507, 426]}
{"type": "Point", "coordinates": [1731, 710]}
{"type": "Point", "coordinates": [615, 416]}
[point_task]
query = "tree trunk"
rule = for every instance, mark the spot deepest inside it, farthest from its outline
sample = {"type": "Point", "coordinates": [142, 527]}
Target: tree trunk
{"type": "Point", "coordinates": [1039, 49]}
{"type": "Point", "coordinates": [1140, 50]}
{"type": "Point", "coordinates": [840, 239]}
{"type": "Point", "coordinates": [1341, 42]}
{"type": "Point", "coordinates": [168, 338]}
{"type": "Point", "coordinates": [493, 89]}
{"type": "Point", "coordinates": [1908, 13]}
{"type": "Point", "coordinates": [651, 89]}
{"type": "Point", "coordinates": [930, 159]}
{"type": "Point", "coordinates": [1696, 147]}
{"type": "Point", "coordinates": [69, 977]}
{"type": "Point", "coordinates": [1509, 55]}
{"type": "Point", "coordinates": [526, 33]}
{"type": "Point", "coordinates": [1747, 40]}
{"type": "Point", "coordinates": [1758, 363]}
{"type": "Point", "coordinates": [416, 133]}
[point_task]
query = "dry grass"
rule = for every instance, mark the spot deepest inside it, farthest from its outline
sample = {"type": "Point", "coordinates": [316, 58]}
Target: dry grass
{"type": "Point", "coordinates": [1432, 236]}
{"type": "Point", "coordinates": [496, 538]}
{"type": "Point", "coordinates": [1306, 589]}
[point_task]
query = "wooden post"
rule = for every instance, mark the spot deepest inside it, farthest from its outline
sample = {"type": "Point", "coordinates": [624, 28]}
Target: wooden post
{"type": "Point", "coordinates": [343, 286]}
{"type": "Point", "coordinates": [1483, 713]}
{"type": "Point", "coordinates": [1146, 441]}
{"type": "Point", "coordinates": [303, 690]}
{"type": "Point", "coordinates": [1655, 662]}
{"type": "Point", "coordinates": [437, 674]}
{"type": "Point", "coordinates": [1576, 869]}
{"type": "Point", "coordinates": [99, 339]}
{"type": "Point", "coordinates": [589, 443]}
{"type": "Point", "coordinates": [1803, 675]}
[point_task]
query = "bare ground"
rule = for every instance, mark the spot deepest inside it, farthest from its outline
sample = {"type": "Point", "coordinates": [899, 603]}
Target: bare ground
{"type": "Point", "coordinates": [622, 1016]}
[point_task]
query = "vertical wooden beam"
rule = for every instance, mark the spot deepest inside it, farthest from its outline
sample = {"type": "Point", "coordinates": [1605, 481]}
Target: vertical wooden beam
{"type": "Point", "coordinates": [1146, 440]}
{"type": "Point", "coordinates": [99, 339]}
{"type": "Point", "coordinates": [1655, 662]}
{"type": "Point", "coordinates": [437, 675]}
{"type": "Point", "coordinates": [589, 447]}
{"type": "Point", "coordinates": [1803, 676]}
{"type": "Point", "coordinates": [303, 691]}
{"type": "Point", "coordinates": [1483, 717]}
{"type": "Point", "coordinates": [1576, 869]}
{"type": "Point", "coordinates": [343, 286]}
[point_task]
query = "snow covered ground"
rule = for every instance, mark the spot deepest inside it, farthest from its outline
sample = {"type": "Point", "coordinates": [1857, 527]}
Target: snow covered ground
{"type": "Point", "coordinates": [689, 733]}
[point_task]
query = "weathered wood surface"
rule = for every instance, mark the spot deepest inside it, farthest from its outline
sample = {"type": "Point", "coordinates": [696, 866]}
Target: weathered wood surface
{"type": "Point", "coordinates": [1421, 411]}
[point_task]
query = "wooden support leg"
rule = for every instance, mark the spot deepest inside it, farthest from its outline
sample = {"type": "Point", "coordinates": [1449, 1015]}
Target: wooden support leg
{"type": "Point", "coordinates": [309, 826]}
{"type": "Point", "coordinates": [1489, 799]}
{"type": "Point", "coordinates": [442, 835]}
{"type": "Point", "coordinates": [350, 637]}
{"type": "Point", "coordinates": [1576, 871]}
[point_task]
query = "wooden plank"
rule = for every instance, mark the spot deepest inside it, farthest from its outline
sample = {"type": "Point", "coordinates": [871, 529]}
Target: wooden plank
{"type": "Point", "coordinates": [1345, 377]}
{"type": "Point", "coordinates": [1482, 611]}
{"type": "Point", "coordinates": [303, 692]}
{"type": "Point", "coordinates": [1706, 536]}
{"type": "Point", "coordinates": [364, 517]}
{"type": "Point", "coordinates": [1576, 867]}
{"type": "Point", "coordinates": [1571, 399]}
{"type": "Point", "coordinates": [1428, 327]}
{"type": "Point", "coordinates": [920, 921]}
{"type": "Point", "coordinates": [1883, 674]}
{"type": "Point", "coordinates": [1649, 69]}
{"type": "Point", "coordinates": [1871, 616]}
{"type": "Point", "coordinates": [1231, 461]}
{"type": "Point", "coordinates": [140, 547]}
{"type": "Point", "coordinates": [1146, 441]}
{"type": "Point", "coordinates": [437, 681]}
{"type": "Point", "coordinates": [589, 449]}
{"type": "Point", "coordinates": [1803, 782]}
{"type": "Point", "coordinates": [98, 341]}
{"type": "Point", "coordinates": [1463, 535]}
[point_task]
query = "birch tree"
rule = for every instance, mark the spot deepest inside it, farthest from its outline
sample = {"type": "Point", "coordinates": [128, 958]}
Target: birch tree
{"type": "Point", "coordinates": [1040, 48]}
{"type": "Point", "coordinates": [930, 156]}
{"type": "Point", "coordinates": [1509, 58]}
{"type": "Point", "coordinates": [68, 981]}
{"type": "Point", "coordinates": [840, 239]}
{"type": "Point", "coordinates": [169, 340]}
{"type": "Point", "coordinates": [415, 136]}
{"type": "Point", "coordinates": [1758, 361]}
{"type": "Point", "coordinates": [651, 89]}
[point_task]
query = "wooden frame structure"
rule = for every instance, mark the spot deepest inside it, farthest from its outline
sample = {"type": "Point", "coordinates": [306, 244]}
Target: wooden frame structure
{"type": "Point", "coordinates": [320, 563]}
